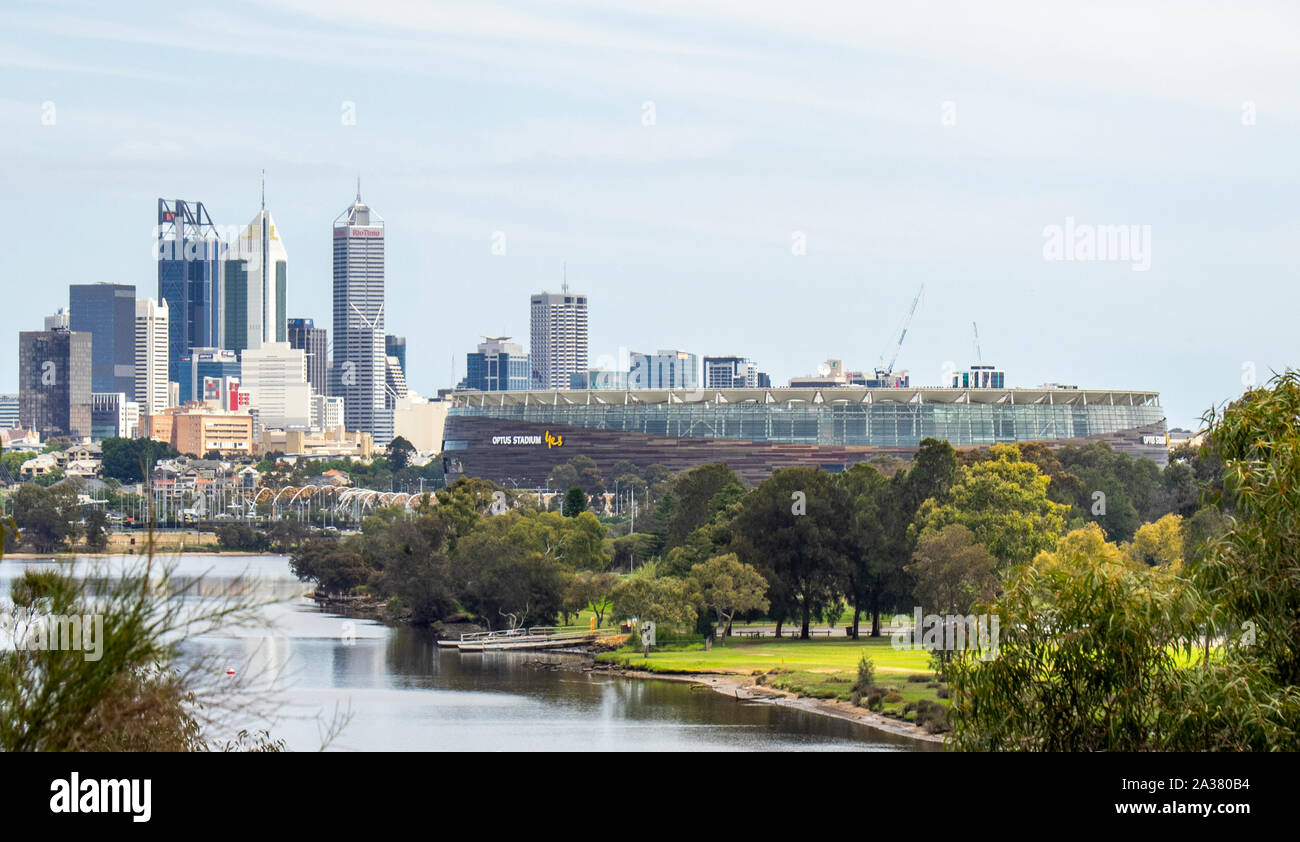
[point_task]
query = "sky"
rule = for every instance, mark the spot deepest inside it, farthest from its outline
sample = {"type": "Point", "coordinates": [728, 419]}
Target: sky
{"type": "Point", "coordinates": [775, 180]}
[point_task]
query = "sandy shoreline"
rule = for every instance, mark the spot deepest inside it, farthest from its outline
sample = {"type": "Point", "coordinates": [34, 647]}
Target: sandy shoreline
{"type": "Point", "coordinates": [742, 687]}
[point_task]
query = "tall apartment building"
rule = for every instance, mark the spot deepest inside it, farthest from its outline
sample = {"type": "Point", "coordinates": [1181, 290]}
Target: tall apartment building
{"type": "Point", "coordinates": [151, 368]}
{"type": "Point", "coordinates": [107, 313]}
{"type": "Point", "coordinates": [360, 366]}
{"type": "Point", "coordinates": [663, 370]}
{"type": "Point", "coordinates": [730, 373]}
{"type": "Point", "coordinates": [559, 338]}
{"type": "Point", "coordinates": [314, 342]}
{"type": "Point", "coordinates": [54, 382]}
{"type": "Point", "coordinates": [497, 366]}
{"type": "Point", "coordinates": [189, 253]}
{"type": "Point", "coordinates": [254, 286]}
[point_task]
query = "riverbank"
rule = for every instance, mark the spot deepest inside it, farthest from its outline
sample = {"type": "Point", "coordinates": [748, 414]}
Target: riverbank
{"type": "Point", "coordinates": [746, 688]}
{"type": "Point", "coordinates": [820, 674]}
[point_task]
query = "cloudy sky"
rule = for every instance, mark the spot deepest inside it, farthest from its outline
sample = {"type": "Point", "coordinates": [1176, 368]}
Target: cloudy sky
{"type": "Point", "coordinates": [773, 180]}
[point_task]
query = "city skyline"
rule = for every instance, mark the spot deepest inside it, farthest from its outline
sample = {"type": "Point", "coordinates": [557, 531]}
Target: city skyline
{"type": "Point", "coordinates": [685, 191]}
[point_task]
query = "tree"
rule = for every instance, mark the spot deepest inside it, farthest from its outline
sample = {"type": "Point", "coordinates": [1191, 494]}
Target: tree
{"type": "Point", "coordinates": [47, 516]}
{"type": "Point", "coordinates": [1249, 697]}
{"type": "Point", "coordinates": [131, 460]}
{"type": "Point", "coordinates": [667, 602]}
{"type": "Point", "coordinates": [592, 590]}
{"type": "Point", "coordinates": [1004, 502]}
{"type": "Point", "coordinates": [866, 539]}
{"type": "Point", "coordinates": [399, 453]}
{"type": "Point", "coordinates": [575, 502]}
{"type": "Point", "coordinates": [1086, 658]}
{"type": "Point", "coordinates": [138, 693]}
{"type": "Point", "coordinates": [1159, 544]}
{"type": "Point", "coordinates": [97, 526]}
{"type": "Point", "coordinates": [789, 529]}
{"type": "Point", "coordinates": [952, 571]}
{"type": "Point", "coordinates": [700, 493]}
{"type": "Point", "coordinates": [727, 587]}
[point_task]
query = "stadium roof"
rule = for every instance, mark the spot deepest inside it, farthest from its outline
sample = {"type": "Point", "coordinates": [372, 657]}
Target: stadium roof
{"type": "Point", "coordinates": [842, 395]}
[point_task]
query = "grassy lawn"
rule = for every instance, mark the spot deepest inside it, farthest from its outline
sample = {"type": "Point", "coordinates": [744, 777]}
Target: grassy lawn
{"type": "Point", "coordinates": [824, 669]}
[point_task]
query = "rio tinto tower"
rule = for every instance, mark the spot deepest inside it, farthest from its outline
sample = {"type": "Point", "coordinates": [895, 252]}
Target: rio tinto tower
{"type": "Point", "coordinates": [359, 360]}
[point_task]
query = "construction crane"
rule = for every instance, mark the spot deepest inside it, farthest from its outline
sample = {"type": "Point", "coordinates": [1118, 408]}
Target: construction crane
{"type": "Point", "coordinates": [884, 371]}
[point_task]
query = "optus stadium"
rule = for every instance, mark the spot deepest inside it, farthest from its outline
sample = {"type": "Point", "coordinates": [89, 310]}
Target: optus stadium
{"type": "Point", "coordinates": [516, 438]}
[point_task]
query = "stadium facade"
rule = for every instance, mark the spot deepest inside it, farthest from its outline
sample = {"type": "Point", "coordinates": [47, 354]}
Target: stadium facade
{"type": "Point", "coordinates": [517, 438]}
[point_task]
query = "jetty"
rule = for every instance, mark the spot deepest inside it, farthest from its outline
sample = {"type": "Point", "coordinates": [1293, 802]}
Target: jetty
{"type": "Point", "coordinates": [521, 639]}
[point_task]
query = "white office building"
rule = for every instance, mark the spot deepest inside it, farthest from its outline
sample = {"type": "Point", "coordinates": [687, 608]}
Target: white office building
{"type": "Point", "coordinates": [558, 324]}
{"type": "Point", "coordinates": [670, 369]}
{"type": "Point", "coordinates": [254, 279]}
{"type": "Point", "coordinates": [151, 392]}
{"type": "Point", "coordinates": [275, 378]}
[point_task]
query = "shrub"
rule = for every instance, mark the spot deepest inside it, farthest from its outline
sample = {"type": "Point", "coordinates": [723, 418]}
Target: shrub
{"type": "Point", "coordinates": [866, 678]}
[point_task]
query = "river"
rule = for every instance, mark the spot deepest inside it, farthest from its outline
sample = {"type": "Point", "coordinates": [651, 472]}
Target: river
{"type": "Point", "coordinates": [393, 689]}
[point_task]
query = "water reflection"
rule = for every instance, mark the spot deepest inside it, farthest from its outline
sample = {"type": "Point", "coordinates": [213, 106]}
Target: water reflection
{"type": "Point", "coordinates": [403, 692]}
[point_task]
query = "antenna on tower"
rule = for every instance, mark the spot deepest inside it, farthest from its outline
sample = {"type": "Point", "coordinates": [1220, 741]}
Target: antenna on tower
{"type": "Point", "coordinates": [564, 285]}
{"type": "Point", "coordinates": [358, 188]}
{"type": "Point", "coordinates": [263, 189]}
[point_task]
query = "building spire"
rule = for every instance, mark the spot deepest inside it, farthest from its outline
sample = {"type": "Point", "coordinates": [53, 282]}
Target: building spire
{"type": "Point", "coordinates": [358, 188]}
{"type": "Point", "coordinates": [564, 284]}
{"type": "Point", "coordinates": [264, 189]}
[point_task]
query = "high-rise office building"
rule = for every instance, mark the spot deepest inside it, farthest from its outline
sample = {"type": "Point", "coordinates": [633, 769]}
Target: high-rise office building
{"type": "Point", "coordinates": [395, 346]}
{"type": "Point", "coordinates": [107, 313]}
{"type": "Point", "coordinates": [559, 338]}
{"type": "Point", "coordinates": [112, 415]}
{"type": "Point", "coordinates": [54, 382]}
{"type": "Point", "coordinates": [497, 366]}
{"type": "Point", "coordinates": [360, 368]}
{"type": "Point", "coordinates": [202, 363]}
{"type": "Point", "coordinates": [151, 355]}
{"type": "Point", "coordinates": [314, 342]}
{"type": "Point", "coordinates": [275, 378]}
{"type": "Point", "coordinates": [663, 370]}
{"type": "Point", "coordinates": [60, 320]}
{"type": "Point", "coordinates": [254, 286]}
{"type": "Point", "coordinates": [730, 373]}
{"type": "Point", "coordinates": [395, 387]}
{"type": "Point", "coordinates": [189, 252]}
{"type": "Point", "coordinates": [8, 412]}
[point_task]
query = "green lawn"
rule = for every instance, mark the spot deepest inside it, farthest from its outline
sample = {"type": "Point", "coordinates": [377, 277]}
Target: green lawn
{"type": "Point", "coordinates": [824, 669]}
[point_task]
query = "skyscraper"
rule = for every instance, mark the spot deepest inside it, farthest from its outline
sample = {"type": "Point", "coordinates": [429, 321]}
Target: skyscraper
{"type": "Point", "coordinates": [730, 373]}
{"type": "Point", "coordinates": [200, 364]}
{"type": "Point", "coordinates": [275, 378]}
{"type": "Point", "coordinates": [254, 286]}
{"type": "Point", "coordinates": [395, 346]}
{"type": "Point", "coordinates": [663, 370]}
{"type": "Point", "coordinates": [107, 313]}
{"type": "Point", "coordinates": [498, 365]}
{"type": "Point", "coordinates": [151, 356]}
{"type": "Point", "coordinates": [559, 338]}
{"type": "Point", "coordinates": [54, 382]}
{"type": "Point", "coordinates": [359, 371]}
{"type": "Point", "coordinates": [188, 277]}
{"type": "Point", "coordinates": [314, 342]}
